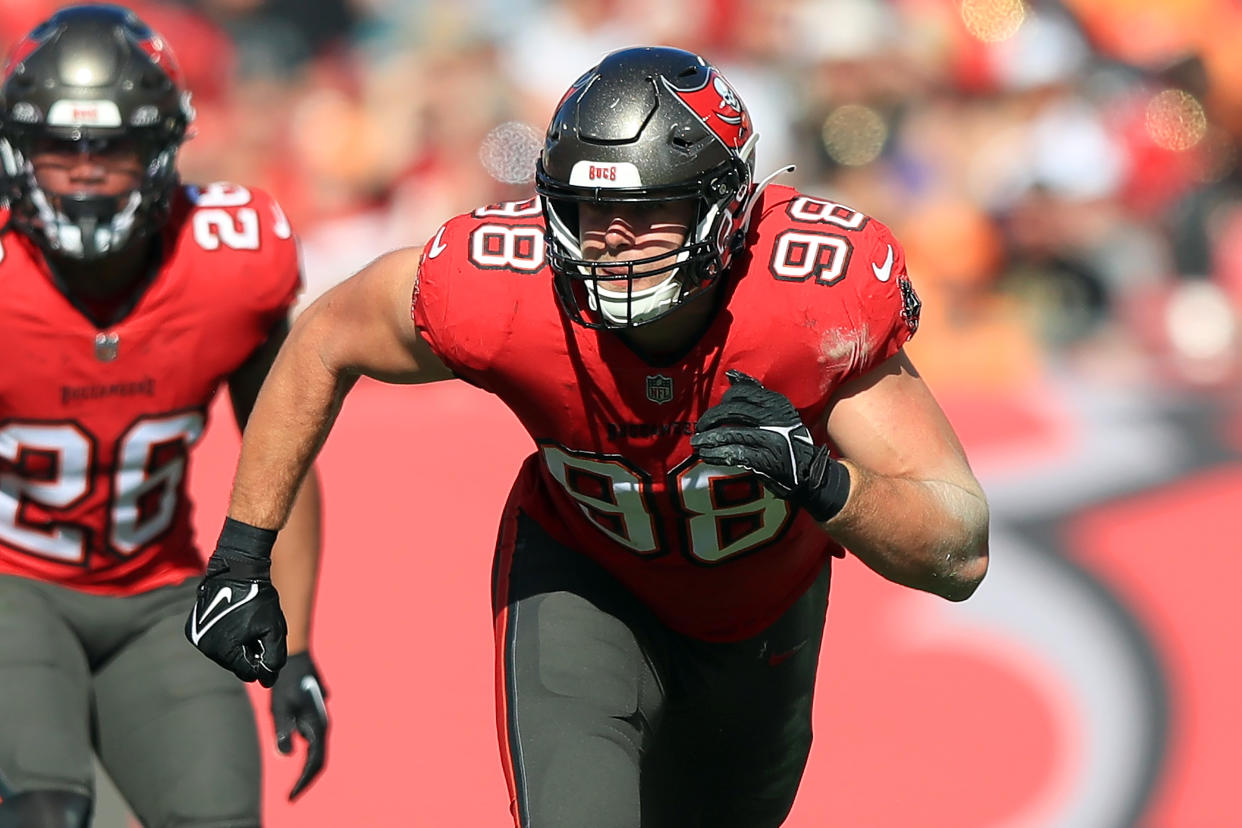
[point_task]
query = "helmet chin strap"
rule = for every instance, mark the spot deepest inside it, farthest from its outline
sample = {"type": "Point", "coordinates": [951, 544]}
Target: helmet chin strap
{"type": "Point", "coordinates": [621, 307]}
{"type": "Point", "coordinates": [86, 227]}
{"type": "Point", "coordinates": [633, 307]}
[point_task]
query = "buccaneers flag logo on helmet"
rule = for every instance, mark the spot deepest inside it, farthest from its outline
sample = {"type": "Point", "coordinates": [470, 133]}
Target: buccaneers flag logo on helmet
{"type": "Point", "coordinates": [719, 108]}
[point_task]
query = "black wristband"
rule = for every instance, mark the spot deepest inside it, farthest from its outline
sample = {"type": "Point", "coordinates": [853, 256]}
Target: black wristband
{"type": "Point", "coordinates": [247, 539]}
{"type": "Point", "coordinates": [247, 549]}
{"type": "Point", "coordinates": [824, 501]}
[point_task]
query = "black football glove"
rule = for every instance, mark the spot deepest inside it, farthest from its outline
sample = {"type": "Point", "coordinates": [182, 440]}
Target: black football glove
{"type": "Point", "coordinates": [756, 428]}
{"type": "Point", "coordinates": [236, 620]}
{"type": "Point", "coordinates": [298, 703]}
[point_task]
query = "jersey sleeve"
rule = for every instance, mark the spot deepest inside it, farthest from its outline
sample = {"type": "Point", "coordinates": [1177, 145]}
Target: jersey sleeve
{"type": "Point", "coordinates": [443, 274]}
{"type": "Point", "coordinates": [275, 269]}
{"type": "Point", "coordinates": [883, 303]}
{"type": "Point", "coordinates": [236, 260]}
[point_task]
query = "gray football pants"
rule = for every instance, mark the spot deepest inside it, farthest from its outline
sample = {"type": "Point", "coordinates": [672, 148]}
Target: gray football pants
{"type": "Point", "coordinates": [83, 673]}
{"type": "Point", "coordinates": [613, 720]}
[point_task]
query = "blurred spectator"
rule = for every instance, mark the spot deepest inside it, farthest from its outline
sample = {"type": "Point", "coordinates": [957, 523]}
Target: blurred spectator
{"type": "Point", "coordinates": [1059, 169]}
{"type": "Point", "coordinates": [275, 37]}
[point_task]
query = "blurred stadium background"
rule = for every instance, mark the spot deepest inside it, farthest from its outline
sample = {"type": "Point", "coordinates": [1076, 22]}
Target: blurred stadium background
{"type": "Point", "coordinates": [1066, 179]}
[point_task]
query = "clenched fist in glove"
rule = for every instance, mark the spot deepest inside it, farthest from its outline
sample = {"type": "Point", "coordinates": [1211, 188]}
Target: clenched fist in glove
{"type": "Point", "coordinates": [236, 620]}
{"type": "Point", "coordinates": [756, 428]}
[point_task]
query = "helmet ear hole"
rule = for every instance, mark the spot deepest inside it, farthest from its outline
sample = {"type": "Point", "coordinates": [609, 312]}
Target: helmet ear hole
{"type": "Point", "coordinates": [568, 213]}
{"type": "Point", "coordinates": [738, 241]}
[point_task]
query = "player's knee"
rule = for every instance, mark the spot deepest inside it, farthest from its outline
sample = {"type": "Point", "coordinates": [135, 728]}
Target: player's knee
{"type": "Point", "coordinates": [46, 809]}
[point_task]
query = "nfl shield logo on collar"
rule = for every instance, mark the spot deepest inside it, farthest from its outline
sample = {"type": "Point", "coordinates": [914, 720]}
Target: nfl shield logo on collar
{"type": "Point", "coordinates": [659, 388]}
{"type": "Point", "coordinates": [106, 346]}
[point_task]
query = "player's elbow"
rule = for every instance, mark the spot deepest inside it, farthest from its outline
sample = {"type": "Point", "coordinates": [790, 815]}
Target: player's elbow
{"type": "Point", "coordinates": [962, 577]}
{"type": "Point", "coordinates": [963, 563]}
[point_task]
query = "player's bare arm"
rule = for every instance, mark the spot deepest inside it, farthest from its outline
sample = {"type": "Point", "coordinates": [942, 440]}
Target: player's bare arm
{"type": "Point", "coordinates": [903, 499]}
{"type": "Point", "coordinates": [915, 512]}
{"type": "Point", "coordinates": [295, 558]}
{"type": "Point", "coordinates": [297, 699]}
{"type": "Point", "coordinates": [361, 327]}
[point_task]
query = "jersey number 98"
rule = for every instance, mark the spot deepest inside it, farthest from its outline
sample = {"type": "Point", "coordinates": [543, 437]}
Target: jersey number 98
{"type": "Point", "coordinates": [721, 512]}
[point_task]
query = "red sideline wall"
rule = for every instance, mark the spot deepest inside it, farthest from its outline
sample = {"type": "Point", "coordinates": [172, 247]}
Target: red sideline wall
{"type": "Point", "coordinates": [1091, 681]}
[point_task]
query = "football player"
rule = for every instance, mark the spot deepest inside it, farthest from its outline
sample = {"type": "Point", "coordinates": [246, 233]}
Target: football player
{"type": "Point", "coordinates": [128, 298]}
{"type": "Point", "coordinates": [712, 370]}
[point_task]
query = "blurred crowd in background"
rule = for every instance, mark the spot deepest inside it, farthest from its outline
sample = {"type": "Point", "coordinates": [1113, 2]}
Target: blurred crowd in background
{"type": "Point", "coordinates": [1065, 176]}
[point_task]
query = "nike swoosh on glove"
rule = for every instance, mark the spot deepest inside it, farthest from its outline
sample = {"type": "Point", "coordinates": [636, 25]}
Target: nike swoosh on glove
{"type": "Point", "coordinates": [236, 620]}
{"type": "Point", "coordinates": [756, 428]}
{"type": "Point", "coordinates": [298, 704]}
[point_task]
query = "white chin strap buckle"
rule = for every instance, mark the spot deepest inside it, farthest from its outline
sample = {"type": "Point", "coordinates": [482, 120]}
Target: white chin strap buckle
{"type": "Point", "coordinates": [620, 307]}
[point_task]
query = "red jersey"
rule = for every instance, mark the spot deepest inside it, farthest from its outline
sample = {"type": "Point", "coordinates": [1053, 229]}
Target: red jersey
{"type": "Point", "coordinates": [96, 424]}
{"type": "Point", "coordinates": [819, 296]}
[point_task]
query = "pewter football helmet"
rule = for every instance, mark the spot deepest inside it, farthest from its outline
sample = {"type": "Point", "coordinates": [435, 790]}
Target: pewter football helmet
{"type": "Point", "coordinates": [647, 124]}
{"type": "Point", "coordinates": [92, 75]}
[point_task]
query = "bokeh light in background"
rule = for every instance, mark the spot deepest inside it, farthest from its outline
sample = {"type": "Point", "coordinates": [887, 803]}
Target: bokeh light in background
{"type": "Point", "coordinates": [509, 152]}
{"type": "Point", "coordinates": [1175, 120]}
{"type": "Point", "coordinates": [854, 135]}
{"type": "Point", "coordinates": [993, 21]}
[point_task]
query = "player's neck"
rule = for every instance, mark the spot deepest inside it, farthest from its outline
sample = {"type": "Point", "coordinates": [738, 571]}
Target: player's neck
{"type": "Point", "coordinates": [667, 339]}
{"type": "Point", "coordinates": [108, 278]}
